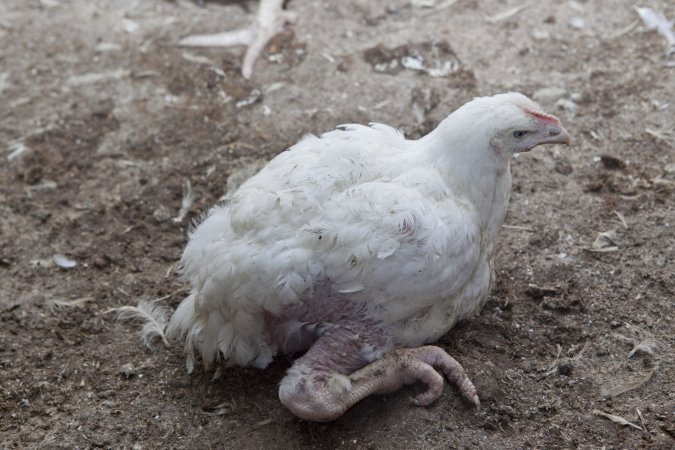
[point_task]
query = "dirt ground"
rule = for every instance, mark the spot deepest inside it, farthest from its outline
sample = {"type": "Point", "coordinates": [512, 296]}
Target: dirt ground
{"type": "Point", "coordinates": [103, 121]}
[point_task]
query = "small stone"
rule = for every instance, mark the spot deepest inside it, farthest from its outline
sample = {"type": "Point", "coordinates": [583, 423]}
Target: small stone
{"type": "Point", "coordinates": [563, 167]}
{"type": "Point", "coordinates": [549, 94]}
{"type": "Point", "coordinates": [566, 105]}
{"type": "Point", "coordinates": [541, 35]}
{"type": "Point", "coordinates": [565, 368]}
{"type": "Point", "coordinates": [106, 394]}
{"type": "Point", "coordinates": [128, 371]}
{"type": "Point", "coordinates": [63, 262]}
{"type": "Point", "coordinates": [161, 214]}
{"type": "Point", "coordinates": [578, 23]}
{"type": "Point", "coordinates": [612, 162]}
{"type": "Point", "coordinates": [101, 261]}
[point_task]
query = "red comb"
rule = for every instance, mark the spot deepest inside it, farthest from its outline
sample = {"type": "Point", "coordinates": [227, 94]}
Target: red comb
{"type": "Point", "coordinates": [542, 116]}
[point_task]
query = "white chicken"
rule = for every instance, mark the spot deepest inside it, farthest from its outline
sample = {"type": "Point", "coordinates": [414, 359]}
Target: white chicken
{"type": "Point", "coordinates": [269, 21]}
{"type": "Point", "coordinates": [359, 247]}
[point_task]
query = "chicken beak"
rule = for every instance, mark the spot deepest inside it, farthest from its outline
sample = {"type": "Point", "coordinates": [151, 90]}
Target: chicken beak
{"type": "Point", "coordinates": [556, 134]}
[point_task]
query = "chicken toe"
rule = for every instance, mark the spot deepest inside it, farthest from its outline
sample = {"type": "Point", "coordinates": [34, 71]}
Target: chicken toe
{"type": "Point", "coordinates": [446, 364]}
{"type": "Point", "coordinates": [316, 388]}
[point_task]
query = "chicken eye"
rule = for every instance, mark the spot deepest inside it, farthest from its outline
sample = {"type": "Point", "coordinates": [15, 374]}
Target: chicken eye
{"type": "Point", "coordinates": [520, 134]}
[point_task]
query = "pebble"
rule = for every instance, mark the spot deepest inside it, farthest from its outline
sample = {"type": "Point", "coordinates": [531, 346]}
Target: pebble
{"type": "Point", "coordinates": [548, 94]}
{"type": "Point", "coordinates": [128, 371]}
{"type": "Point", "coordinates": [565, 368]}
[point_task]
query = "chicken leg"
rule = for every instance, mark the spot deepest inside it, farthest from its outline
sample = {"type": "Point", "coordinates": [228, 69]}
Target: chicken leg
{"type": "Point", "coordinates": [317, 389]}
{"type": "Point", "coordinates": [269, 21]}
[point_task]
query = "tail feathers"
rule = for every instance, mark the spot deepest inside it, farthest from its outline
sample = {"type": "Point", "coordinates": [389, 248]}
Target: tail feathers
{"type": "Point", "coordinates": [184, 326]}
{"type": "Point", "coordinates": [191, 342]}
{"type": "Point", "coordinates": [240, 339]}
{"type": "Point", "coordinates": [183, 318]}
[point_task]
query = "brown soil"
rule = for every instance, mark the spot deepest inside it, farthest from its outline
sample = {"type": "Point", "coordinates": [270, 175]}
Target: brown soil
{"type": "Point", "coordinates": [100, 128]}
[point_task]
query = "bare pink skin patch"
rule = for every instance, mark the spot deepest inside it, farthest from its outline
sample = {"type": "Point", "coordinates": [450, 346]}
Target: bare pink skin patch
{"type": "Point", "coordinates": [349, 357]}
{"type": "Point", "coordinates": [546, 118]}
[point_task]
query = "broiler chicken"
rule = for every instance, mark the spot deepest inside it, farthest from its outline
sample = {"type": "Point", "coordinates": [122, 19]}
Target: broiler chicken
{"type": "Point", "coordinates": [269, 21]}
{"type": "Point", "coordinates": [358, 248]}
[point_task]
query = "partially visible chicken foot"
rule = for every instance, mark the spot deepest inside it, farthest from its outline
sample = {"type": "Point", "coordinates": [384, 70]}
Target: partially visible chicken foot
{"type": "Point", "coordinates": [314, 393]}
{"type": "Point", "coordinates": [269, 21]}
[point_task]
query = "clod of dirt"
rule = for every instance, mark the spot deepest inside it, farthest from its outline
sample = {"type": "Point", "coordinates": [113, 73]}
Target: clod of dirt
{"type": "Point", "coordinates": [285, 49]}
{"type": "Point", "coordinates": [564, 304]}
{"type": "Point", "coordinates": [436, 59]}
{"type": "Point", "coordinates": [128, 371]}
{"type": "Point", "coordinates": [563, 167]}
{"type": "Point", "coordinates": [537, 293]}
{"type": "Point", "coordinates": [423, 100]}
{"type": "Point", "coordinates": [612, 162]}
{"type": "Point", "coordinates": [565, 368]}
{"type": "Point", "coordinates": [33, 175]}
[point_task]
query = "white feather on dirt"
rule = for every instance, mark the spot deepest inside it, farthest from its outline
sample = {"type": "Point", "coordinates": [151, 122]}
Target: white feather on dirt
{"type": "Point", "coordinates": [59, 304]}
{"type": "Point", "coordinates": [605, 242]}
{"type": "Point", "coordinates": [186, 202]}
{"type": "Point", "coordinates": [643, 341]}
{"type": "Point", "coordinates": [614, 390]}
{"type": "Point", "coordinates": [656, 21]}
{"type": "Point", "coordinates": [615, 419]}
{"type": "Point", "coordinates": [153, 316]}
{"type": "Point", "coordinates": [16, 149]}
{"type": "Point", "coordinates": [505, 15]}
{"type": "Point", "coordinates": [647, 345]}
{"type": "Point", "coordinates": [63, 262]}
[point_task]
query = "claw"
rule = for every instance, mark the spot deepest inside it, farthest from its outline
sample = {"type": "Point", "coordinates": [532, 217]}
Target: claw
{"type": "Point", "coordinates": [269, 21]}
{"type": "Point", "coordinates": [308, 392]}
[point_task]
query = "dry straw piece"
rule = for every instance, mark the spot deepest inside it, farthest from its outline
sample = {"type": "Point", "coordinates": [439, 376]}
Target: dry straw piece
{"type": "Point", "coordinates": [616, 419]}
